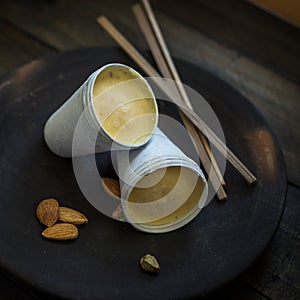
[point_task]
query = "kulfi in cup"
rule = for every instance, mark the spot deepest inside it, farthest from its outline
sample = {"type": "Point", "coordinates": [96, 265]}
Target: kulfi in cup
{"type": "Point", "coordinates": [161, 188]}
{"type": "Point", "coordinates": [115, 103]}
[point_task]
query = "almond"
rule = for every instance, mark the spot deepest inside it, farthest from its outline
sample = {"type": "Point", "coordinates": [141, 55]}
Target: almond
{"type": "Point", "coordinates": [112, 187]}
{"type": "Point", "coordinates": [47, 212]}
{"type": "Point", "coordinates": [69, 215]}
{"type": "Point", "coordinates": [61, 231]}
{"type": "Point", "coordinates": [118, 213]}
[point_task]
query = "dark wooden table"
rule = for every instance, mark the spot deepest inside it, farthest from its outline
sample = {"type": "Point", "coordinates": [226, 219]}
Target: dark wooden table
{"type": "Point", "coordinates": [253, 51]}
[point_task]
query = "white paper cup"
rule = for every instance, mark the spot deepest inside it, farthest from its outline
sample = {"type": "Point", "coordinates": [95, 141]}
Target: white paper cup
{"type": "Point", "coordinates": [146, 172]}
{"type": "Point", "coordinates": [60, 127]}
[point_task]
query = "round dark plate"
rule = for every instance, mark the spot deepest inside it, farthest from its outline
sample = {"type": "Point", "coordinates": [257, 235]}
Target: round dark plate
{"type": "Point", "coordinates": [104, 261]}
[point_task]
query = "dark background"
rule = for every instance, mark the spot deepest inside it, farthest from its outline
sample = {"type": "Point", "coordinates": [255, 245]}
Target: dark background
{"type": "Point", "coordinates": [255, 52]}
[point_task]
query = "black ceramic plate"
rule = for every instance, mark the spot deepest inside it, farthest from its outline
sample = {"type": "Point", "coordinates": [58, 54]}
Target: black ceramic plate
{"type": "Point", "coordinates": [103, 263]}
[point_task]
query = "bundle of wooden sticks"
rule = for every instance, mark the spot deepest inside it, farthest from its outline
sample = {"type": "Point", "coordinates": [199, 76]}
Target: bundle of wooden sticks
{"type": "Point", "coordinates": [198, 130]}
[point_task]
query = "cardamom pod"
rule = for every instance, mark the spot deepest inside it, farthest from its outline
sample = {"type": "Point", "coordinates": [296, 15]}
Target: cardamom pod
{"type": "Point", "coordinates": [149, 263]}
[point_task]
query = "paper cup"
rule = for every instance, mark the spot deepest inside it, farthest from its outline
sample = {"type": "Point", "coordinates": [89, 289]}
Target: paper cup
{"type": "Point", "coordinates": [161, 188]}
{"type": "Point", "coordinates": [82, 105]}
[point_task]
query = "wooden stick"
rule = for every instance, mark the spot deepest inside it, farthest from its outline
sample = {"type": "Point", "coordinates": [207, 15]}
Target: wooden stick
{"type": "Point", "coordinates": [127, 47]}
{"type": "Point", "coordinates": [211, 172]}
{"type": "Point", "coordinates": [197, 121]}
{"type": "Point", "coordinates": [164, 69]}
{"type": "Point", "coordinates": [213, 138]}
{"type": "Point", "coordinates": [151, 40]}
{"type": "Point", "coordinates": [211, 157]}
{"type": "Point", "coordinates": [166, 64]}
{"type": "Point", "coordinates": [166, 52]}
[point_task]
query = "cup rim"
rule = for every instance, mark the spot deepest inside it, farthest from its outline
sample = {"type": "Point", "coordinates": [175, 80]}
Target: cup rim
{"type": "Point", "coordinates": [180, 222]}
{"type": "Point", "coordinates": [91, 103]}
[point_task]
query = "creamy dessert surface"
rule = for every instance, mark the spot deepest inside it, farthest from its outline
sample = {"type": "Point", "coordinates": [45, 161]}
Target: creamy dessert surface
{"type": "Point", "coordinates": [124, 105]}
{"type": "Point", "coordinates": [164, 196]}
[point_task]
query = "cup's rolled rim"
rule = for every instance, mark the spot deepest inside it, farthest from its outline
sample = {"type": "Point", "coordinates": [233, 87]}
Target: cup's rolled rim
{"type": "Point", "coordinates": [95, 75]}
{"type": "Point", "coordinates": [180, 222]}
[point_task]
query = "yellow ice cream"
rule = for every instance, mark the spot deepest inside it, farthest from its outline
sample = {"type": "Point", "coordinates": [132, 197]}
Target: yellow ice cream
{"type": "Point", "coordinates": [124, 105]}
{"type": "Point", "coordinates": [167, 195]}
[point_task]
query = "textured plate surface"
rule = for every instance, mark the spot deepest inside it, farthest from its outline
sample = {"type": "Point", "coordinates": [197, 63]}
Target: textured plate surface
{"type": "Point", "coordinates": [103, 263]}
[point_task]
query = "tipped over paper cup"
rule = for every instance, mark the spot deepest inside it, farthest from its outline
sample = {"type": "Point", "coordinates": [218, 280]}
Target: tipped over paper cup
{"type": "Point", "coordinates": [161, 188]}
{"type": "Point", "coordinates": [115, 102]}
